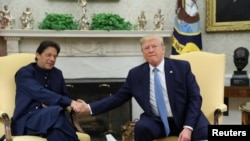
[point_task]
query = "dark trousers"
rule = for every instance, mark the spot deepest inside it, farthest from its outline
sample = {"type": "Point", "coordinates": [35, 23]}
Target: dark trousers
{"type": "Point", "coordinates": [150, 128]}
{"type": "Point", "coordinates": [51, 123]}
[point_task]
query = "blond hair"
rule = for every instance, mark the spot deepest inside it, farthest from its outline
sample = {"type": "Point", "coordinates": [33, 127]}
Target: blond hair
{"type": "Point", "coordinates": [150, 37]}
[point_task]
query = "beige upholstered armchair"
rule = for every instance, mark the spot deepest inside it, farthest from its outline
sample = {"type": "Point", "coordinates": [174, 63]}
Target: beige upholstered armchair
{"type": "Point", "coordinates": [8, 67]}
{"type": "Point", "coordinates": [209, 70]}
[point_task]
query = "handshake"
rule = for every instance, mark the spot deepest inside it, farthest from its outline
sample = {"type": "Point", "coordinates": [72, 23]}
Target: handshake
{"type": "Point", "coordinates": [80, 107]}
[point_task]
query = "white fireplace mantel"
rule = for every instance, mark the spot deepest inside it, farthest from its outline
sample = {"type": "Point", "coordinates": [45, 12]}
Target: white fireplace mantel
{"type": "Point", "coordinates": [78, 42]}
{"type": "Point", "coordinates": [80, 33]}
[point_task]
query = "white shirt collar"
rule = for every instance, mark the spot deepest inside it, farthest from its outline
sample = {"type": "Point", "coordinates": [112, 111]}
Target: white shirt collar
{"type": "Point", "coordinates": [160, 67]}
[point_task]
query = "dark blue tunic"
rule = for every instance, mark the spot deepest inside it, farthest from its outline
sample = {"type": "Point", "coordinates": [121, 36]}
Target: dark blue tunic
{"type": "Point", "coordinates": [34, 87]}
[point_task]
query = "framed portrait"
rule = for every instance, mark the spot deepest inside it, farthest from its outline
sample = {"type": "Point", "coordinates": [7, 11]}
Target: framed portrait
{"type": "Point", "coordinates": [227, 15]}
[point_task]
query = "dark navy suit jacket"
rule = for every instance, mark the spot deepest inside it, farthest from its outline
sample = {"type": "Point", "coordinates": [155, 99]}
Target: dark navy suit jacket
{"type": "Point", "coordinates": [34, 87]}
{"type": "Point", "coordinates": [183, 92]}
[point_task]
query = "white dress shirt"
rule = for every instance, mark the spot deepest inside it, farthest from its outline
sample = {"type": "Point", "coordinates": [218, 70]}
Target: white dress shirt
{"type": "Point", "coordinates": [161, 74]}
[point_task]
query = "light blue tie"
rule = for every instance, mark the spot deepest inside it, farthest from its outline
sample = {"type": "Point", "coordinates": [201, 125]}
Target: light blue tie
{"type": "Point", "coordinates": [160, 101]}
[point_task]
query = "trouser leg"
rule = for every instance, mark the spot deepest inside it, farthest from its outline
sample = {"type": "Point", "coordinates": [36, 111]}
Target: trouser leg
{"type": "Point", "coordinates": [58, 135]}
{"type": "Point", "coordinates": [62, 128]}
{"type": "Point", "coordinates": [148, 129]}
{"type": "Point", "coordinates": [48, 122]}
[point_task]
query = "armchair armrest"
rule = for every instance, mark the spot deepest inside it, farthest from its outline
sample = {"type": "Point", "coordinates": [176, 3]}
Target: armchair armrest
{"type": "Point", "coordinates": [80, 132]}
{"type": "Point", "coordinates": [218, 112]}
{"type": "Point", "coordinates": [74, 120]}
{"type": "Point", "coordinates": [7, 128]}
{"type": "Point", "coordinates": [222, 107]}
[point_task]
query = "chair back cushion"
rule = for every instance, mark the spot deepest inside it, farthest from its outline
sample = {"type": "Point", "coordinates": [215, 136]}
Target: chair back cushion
{"type": "Point", "coordinates": [209, 70]}
{"type": "Point", "coordinates": [9, 65]}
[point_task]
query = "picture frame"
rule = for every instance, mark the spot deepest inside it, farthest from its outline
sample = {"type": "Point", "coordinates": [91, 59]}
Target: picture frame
{"type": "Point", "coordinates": [227, 15]}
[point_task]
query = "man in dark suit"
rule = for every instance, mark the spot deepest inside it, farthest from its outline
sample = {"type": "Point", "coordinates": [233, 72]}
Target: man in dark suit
{"type": "Point", "coordinates": [181, 94]}
{"type": "Point", "coordinates": [42, 97]}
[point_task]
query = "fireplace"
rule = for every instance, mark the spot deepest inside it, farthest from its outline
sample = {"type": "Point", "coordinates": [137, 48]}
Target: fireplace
{"type": "Point", "coordinates": [109, 122]}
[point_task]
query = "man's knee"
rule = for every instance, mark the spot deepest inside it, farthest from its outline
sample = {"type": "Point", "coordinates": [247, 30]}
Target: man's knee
{"type": "Point", "coordinates": [141, 127]}
{"type": "Point", "coordinates": [200, 134]}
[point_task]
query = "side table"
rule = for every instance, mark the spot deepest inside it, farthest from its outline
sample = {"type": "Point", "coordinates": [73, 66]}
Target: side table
{"type": "Point", "coordinates": [235, 91]}
{"type": "Point", "coordinates": [245, 113]}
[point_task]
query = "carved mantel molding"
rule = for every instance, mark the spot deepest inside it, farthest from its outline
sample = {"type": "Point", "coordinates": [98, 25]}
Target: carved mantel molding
{"type": "Point", "coordinates": [80, 43]}
{"type": "Point", "coordinates": [79, 33]}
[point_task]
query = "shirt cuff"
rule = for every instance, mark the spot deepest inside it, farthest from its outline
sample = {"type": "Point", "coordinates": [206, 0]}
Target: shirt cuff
{"type": "Point", "coordinates": [189, 127]}
{"type": "Point", "coordinates": [90, 111]}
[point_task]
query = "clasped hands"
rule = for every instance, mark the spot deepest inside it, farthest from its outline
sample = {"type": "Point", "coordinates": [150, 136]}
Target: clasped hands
{"type": "Point", "coordinates": [80, 107]}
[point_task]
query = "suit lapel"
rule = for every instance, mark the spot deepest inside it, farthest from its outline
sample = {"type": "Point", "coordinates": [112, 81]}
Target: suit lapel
{"type": "Point", "coordinates": [169, 77]}
{"type": "Point", "coordinates": [145, 88]}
